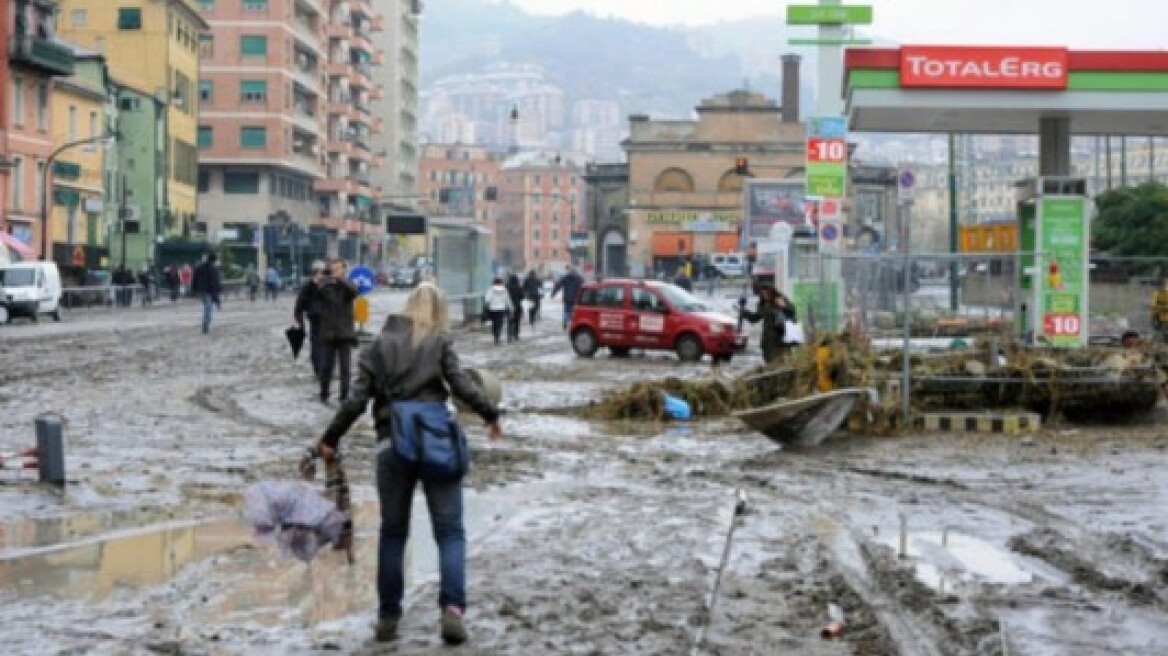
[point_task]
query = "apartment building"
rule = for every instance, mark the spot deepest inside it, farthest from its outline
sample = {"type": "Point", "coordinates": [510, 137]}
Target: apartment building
{"type": "Point", "coordinates": [540, 205]}
{"type": "Point", "coordinates": [454, 179]}
{"type": "Point", "coordinates": [398, 105]}
{"type": "Point", "coordinates": [151, 49]}
{"type": "Point", "coordinates": [34, 59]}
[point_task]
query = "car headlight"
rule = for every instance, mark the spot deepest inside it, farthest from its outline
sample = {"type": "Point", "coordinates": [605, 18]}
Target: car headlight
{"type": "Point", "coordinates": [717, 328]}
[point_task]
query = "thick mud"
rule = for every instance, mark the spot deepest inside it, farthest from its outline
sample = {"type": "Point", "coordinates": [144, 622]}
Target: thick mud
{"type": "Point", "coordinates": [585, 537]}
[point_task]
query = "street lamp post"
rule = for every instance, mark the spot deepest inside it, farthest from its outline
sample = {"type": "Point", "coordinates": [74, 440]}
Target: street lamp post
{"type": "Point", "coordinates": [46, 181]}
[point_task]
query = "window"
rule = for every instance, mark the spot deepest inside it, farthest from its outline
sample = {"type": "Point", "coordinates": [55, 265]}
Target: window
{"type": "Point", "coordinates": [255, 5]}
{"type": "Point", "coordinates": [206, 136]}
{"type": "Point", "coordinates": [537, 179]}
{"type": "Point", "coordinates": [555, 234]}
{"type": "Point", "coordinates": [646, 301]}
{"type": "Point", "coordinates": [40, 183]}
{"type": "Point", "coordinates": [92, 124]}
{"type": "Point", "coordinates": [535, 234]}
{"type": "Point", "coordinates": [17, 186]}
{"type": "Point", "coordinates": [537, 198]}
{"type": "Point", "coordinates": [586, 298]}
{"type": "Point", "coordinates": [253, 90]}
{"type": "Point", "coordinates": [537, 217]}
{"type": "Point", "coordinates": [130, 104]}
{"type": "Point", "coordinates": [535, 253]}
{"type": "Point", "coordinates": [556, 180]}
{"type": "Point", "coordinates": [206, 46]}
{"type": "Point", "coordinates": [555, 217]}
{"type": "Point", "coordinates": [206, 90]}
{"type": "Point", "coordinates": [254, 45]}
{"type": "Point", "coordinates": [207, 5]}
{"type": "Point", "coordinates": [241, 183]}
{"type": "Point", "coordinates": [204, 181]}
{"type": "Point", "coordinates": [555, 253]}
{"type": "Point", "coordinates": [72, 122]}
{"type": "Point", "coordinates": [129, 18]}
{"type": "Point", "coordinates": [253, 137]}
{"type": "Point", "coordinates": [17, 101]}
{"type": "Point", "coordinates": [611, 296]}
{"type": "Point", "coordinates": [186, 162]}
{"type": "Point", "coordinates": [43, 106]}
{"type": "Point", "coordinates": [182, 93]}
{"type": "Point", "coordinates": [80, 18]}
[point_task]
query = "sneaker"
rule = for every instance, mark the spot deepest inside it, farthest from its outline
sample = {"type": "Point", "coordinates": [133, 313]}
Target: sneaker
{"type": "Point", "coordinates": [386, 629]}
{"type": "Point", "coordinates": [453, 629]}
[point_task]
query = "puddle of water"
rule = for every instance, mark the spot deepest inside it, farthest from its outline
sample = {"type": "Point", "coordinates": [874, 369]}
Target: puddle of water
{"type": "Point", "coordinates": [247, 579]}
{"type": "Point", "coordinates": [30, 533]}
{"type": "Point", "coordinates": [943, 560]}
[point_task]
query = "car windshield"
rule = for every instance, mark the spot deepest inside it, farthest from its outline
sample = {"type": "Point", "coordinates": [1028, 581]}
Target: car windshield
{"type": "Point", "coordinates": [680, 299]}
{"type": "Point", "coordinates": [17, 277]}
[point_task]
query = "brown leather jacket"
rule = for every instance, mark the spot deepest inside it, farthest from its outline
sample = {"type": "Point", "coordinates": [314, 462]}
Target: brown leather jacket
{"type": "Point", "coordinates": [400, 371]}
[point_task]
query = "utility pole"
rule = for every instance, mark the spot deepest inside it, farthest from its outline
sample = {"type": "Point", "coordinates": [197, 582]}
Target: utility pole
{"type": "Point", "coordinates": [953, 228]}
{"type": "Point", "coordinates": [124, 215]}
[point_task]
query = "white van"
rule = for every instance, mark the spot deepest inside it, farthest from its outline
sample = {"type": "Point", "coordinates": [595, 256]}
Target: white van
{"type": "Point", "coordinates": [31, 289]}
{"type": "Point", "coordinates": [730, 265]}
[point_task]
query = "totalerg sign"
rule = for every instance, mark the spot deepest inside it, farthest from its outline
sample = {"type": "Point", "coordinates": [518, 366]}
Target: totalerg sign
{"type": "Point", "coordinates": [983, 68]}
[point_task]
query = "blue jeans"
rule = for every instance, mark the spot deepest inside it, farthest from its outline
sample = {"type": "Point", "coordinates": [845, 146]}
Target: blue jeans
{"type": "Point", "coordinates": [567, 315]}
{"type": "Point", "coordinates": [208, 302]}
{"type": "Point", "coordinates": [395, 490]}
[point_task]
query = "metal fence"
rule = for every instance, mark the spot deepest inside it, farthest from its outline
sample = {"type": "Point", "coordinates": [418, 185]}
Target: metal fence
{"type": "Point", "coordinates": [119, 297]}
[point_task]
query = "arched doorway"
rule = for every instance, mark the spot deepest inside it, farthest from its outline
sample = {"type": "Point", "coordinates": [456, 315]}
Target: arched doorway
{"type": "Point", "coordinates": [614, 254]}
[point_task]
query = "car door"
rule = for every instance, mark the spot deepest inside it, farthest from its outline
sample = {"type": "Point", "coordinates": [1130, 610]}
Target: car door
{"type": "Point", "coordinates": [647, 319]}
{"type": "Point", "coordinates": [612, 309]}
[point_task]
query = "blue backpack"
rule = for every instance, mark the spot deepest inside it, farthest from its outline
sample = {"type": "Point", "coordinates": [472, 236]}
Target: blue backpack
{"type": "Point", "coordinates": [426, 436]}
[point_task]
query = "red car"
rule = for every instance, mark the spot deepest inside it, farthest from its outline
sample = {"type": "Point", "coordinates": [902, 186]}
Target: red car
{"type": "Point", "coordinates": [633, 314]}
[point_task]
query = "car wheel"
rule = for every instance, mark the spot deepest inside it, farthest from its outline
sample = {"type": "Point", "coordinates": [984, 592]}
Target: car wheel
{"type": "Point", "coordinates": [57, 315]}
{"type": "Point", "coordinates": [3, 315]}
{"type": "Point", "coordinates": [619, 351]}
{"type": "Point", "coordinates": [584, 342]}
{"type": "Point", "coordinates": [689, 348]}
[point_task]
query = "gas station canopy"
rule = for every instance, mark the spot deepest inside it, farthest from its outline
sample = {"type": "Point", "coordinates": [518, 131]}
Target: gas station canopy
{"type": "Point", "coordinates": [1004, 90]}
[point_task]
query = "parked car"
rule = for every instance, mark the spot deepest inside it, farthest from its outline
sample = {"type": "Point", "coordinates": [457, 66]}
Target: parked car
{"type": "Point", "coordinates": [625, 314]}
{"type": "Point", "coordinates": [32, 289]}
{"type": "Point", "coordinates": [403, 278]}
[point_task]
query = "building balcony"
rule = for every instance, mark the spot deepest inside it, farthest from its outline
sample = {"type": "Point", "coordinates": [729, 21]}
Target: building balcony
{"type": "Point", "coordinates": [309, 79]}
{"type": "Point", "coordinates": [359, 77]}
{"type": "Point", "coordinates": [377, 24]}
{"type": "Point", "coordinates": [306, 120]}
{"type": "Point", "coordinates": [360, 8]}
{"type": "Point", "coordinates": [338, 30]}
{"type": "Point", "coordinates": [307, 35]}
{"type": "Point", "coordinates": [44, 55]}
{"type": "Point", "coordinates": [339, 107]}
{"type": "Point", "coordinates": [307, 163]}
{"type": "Point", "coordinates": [313, 7]}
{"type": "Point", "coordinates": [361, 42]}
{"type": "Point", "coordinates": [338, 69]}
{"type": "Point", "coordinates": [331, 186]}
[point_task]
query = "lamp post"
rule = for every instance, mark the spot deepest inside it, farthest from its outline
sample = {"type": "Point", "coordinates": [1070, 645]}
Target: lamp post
{"type": "Point", "coordinates": [46, 183]}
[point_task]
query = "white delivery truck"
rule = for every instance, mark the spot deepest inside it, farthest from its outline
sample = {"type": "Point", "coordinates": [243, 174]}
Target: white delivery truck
{"type": "Point", "coordinates": [30, 290]}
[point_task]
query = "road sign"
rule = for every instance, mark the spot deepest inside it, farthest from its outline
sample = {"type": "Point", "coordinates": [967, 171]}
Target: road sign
{"type": "Point", "coordinates": [906, 182]}
{"type": "Point", "coordinates": [363, 278]}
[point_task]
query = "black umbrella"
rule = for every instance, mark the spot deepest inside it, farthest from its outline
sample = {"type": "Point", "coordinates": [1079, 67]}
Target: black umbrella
{"type": "Point", "coordinates": [295, 336]}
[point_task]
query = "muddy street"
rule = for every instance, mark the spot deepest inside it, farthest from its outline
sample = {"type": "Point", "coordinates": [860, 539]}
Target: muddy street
{"type": "Point", "coordinates": [585, 537]}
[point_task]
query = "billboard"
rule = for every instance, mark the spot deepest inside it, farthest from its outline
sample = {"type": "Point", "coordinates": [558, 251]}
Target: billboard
{"type": "Point", "coordinates": [769, 202]}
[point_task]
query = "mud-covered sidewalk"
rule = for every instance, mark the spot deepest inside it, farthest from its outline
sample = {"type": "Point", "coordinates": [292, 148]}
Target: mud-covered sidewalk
{"type": "Point", "coordinates": [586, 537]}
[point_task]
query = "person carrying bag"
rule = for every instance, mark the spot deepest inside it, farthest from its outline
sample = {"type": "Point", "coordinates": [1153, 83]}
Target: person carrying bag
{"type": "Point", "coordinates": [409, 372]}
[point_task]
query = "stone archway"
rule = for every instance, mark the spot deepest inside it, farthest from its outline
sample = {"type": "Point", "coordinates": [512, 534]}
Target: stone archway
{"type": "Point", "coordinates": [613, 253]}
{"type": "Point", "coordinates": [674, 179]}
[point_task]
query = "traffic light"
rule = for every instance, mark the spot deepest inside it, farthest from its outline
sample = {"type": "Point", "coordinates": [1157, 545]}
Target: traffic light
{"type": "Point", "coordinates": [742, 166]}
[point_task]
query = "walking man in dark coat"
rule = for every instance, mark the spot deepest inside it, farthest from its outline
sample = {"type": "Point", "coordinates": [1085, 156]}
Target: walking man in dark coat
{"type": "Point", "coordinates": [308, 305]}
{"type": "Point", "coordinates": [570, 283]}
{"type": "Point", "coordinates": [533, 290]}
{"type": "Point", "coordinates": [338, 335]}
{"type": "Point", "coordinates": [206, 285]}
{"type": "Point", "coordinates": [515, 291]}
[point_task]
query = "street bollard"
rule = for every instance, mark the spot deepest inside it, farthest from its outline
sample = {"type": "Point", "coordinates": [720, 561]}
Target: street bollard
{"type": "Point", "coordinates": [50, 446]}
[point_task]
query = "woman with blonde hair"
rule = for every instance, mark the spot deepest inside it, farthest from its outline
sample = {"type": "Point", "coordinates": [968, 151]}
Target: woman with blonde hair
{"type": "Point", "coordinates": [412, 363]}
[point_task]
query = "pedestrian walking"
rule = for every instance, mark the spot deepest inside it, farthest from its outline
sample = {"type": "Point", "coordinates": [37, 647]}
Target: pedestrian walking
{"type": "Point", "coordinates": [570, 283]}
{"type": "Point", "coordinates": [206, 285]}
{"type": "Point", "coordinates": [271, 283]}
{"type": "Point", "coordinates": [172, 282]}
{"type": "Point", "coordinates": [412, 364]}
{"type": "Point", "coordinates": [308, 306]}
{"type": "Point", "coordinates": [498, 303]}
{"type": "Point", "coordinates": [533, 291]}
{"type": "Point", "coordinates": [252, 279]}
{"type": "Point", "coordinates": [146, 281]}
{"type": "Point", "coordinates": [774, 311]}
{"type": "Point", "coordinates": [682, 280]}
{"type": "Point", "coordinates": [515, 319]}
{"type": "Point", "coordinates": [337, 333]}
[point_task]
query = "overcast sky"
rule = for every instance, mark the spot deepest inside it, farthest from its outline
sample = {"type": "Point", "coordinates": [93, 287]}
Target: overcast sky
{"type": "Point", "coordinates": [1124, 24]}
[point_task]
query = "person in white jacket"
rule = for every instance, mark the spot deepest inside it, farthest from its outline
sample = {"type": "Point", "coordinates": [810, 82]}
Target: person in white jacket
{"type": "Point", "coordinates": [498, 305]}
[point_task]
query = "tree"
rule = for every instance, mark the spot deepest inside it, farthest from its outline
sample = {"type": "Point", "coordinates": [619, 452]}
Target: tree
{"type": "Point", "coordinates": [1132, 221]}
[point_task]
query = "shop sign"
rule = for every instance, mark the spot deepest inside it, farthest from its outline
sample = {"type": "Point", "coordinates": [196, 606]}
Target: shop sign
{"type": "Point", "coordinates": [957, 67]}
{"type": "Point", "coordinates": [691, 216]}
{"type": "Point", "coordinates": [1063, 288]}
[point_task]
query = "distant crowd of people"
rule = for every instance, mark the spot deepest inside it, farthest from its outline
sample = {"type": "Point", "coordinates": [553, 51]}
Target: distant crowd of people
{"type": "Point", "coordinates": [503, 304]}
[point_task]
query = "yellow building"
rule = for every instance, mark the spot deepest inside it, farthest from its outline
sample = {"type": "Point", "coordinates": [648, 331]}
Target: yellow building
{"type": "Point", "coordinates": [78, 196]}
{"type": "Point", "coordinates": [152, 45]}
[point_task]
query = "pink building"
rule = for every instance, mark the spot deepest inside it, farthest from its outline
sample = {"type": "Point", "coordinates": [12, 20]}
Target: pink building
{"type": "Point", "coordinates": [286, 124]}
{"type": "Point", "coordinates": [34, 57]}
{"type": "Point", "coordinates": [541, 203]}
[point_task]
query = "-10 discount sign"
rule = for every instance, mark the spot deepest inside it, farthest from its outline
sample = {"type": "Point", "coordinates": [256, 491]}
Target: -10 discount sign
{"type": "Point", "coordinates": [827, 167]}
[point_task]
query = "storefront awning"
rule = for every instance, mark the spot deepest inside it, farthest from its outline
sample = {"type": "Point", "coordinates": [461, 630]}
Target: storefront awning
{"type": "Point", "coordinates": [19, 249]}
